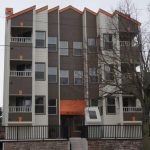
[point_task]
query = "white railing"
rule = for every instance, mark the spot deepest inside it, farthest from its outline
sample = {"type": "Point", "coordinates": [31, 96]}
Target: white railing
{"type": "Point", "coordinates": [21, 39]}
{"type": "Point", "coordinates": [125, 43]}
{"type": "Point", "coordinates": [21, 73]}
{"type": "Point", "coordinates": [132, 109]}
{"type": "Point", "coordinates": [19, 108]}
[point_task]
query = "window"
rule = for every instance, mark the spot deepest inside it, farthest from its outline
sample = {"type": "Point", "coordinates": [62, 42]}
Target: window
{"type": "Point", "coordinates": [109, 72]}
{"type": "Point", "coordinates": [77, 48]}
{"type": "Point", "coordinates": [52, 106]}
{"type": "Point", "coordinates": [64, 77]}
{"type": "Point", "coordinates": [94, 102]}
{"type": "Point", "coordinates": [40, 39]}
{"type": "Point", "coordinates": [23, 101]}
{"type": "Point", "coordinates": [108, 43]}
{"type": "Point", "coordinates": [64, 48]}
{"type": "Point", "coordinates": [52, 44]}
{"type": "Point", "coordinates": [93, 76]}
{"type": "Point", "coordinates": [91, 42]}
{"type": "Point", "coordinates": [39, 71]}
{"type": "Point", "coordinates": [39, 104]}
{"type": "Point", "coordinates": [78, 77]}
{"type": "Point", "coordinates": [111, 108]}
{"type": "Point", "coordinates": [52, 74]}
{"type": "Point", "coordinates": [92, 45]}
{"type": "Point", "coordinates": [92, 114]}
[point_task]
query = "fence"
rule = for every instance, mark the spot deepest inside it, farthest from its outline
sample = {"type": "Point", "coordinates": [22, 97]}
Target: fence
{"type": "Point", "coordinates": [55, 132]}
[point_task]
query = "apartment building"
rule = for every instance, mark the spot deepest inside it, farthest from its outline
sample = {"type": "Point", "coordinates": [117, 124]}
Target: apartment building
{"type": "Point", "coordinates": [51, 73]}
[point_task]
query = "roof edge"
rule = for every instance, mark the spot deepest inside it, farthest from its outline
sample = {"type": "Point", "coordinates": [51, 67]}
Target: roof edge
{"type": "Point", "coordinates": [125, 16]}
{"type": "Point", "coordinates": [21, 12]}
{"type": "Point", "coordinates": [104, 12]}
{"type": "Point", "coordinates": [89, 10]}
{"type": "Point", "coordinates": [70, 7]}
{"type": "Point", "coordinates": [42, 9]}
{"type": "Point", "coordinates": [53, 9]}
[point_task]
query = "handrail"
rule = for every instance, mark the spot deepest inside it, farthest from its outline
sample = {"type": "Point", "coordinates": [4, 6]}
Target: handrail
{"type": "Point", "coordinates": [132, 109]}
{"type": "Point", "coordinates": [19, 108]}
{"type": "Point", "coordinates": [21, 73]}
{"type": "Point", "coordinates": [21, 39]}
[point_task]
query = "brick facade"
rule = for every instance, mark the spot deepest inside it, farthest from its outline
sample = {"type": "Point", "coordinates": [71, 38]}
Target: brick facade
{"type": "Point", "coordinates": [40, 145]}
{"type": "Point", "coordinates": [115, 145]}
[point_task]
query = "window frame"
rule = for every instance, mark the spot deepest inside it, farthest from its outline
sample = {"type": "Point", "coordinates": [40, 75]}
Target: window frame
{"type": "Point", "coordinates": [104, 47]}
{"type": "Point", "coordinates": [81, 49]}
{"type": "Point", "coordinates": [96, 75]}
{"type": "Point", "coordinates": [44, 71]}
{"type": "Point", "coordinates": [81, 71]}
{"type": "Point", "coordinates": [64, 48]}
{"type": "Point", "coordinates": [44, 101]}
{"type": "Point", "coordinates": [92, 48]}
{"type": "Point", "coordinates": [36, 39]}
{"type": "Point", "coordinates": [64, 77]}
{"type": "Point", "coordinates": [111, 105]}
{"type": "Point", "coordinates": [52, 106]}
{"type": "Point", "coordinates": [110, 73]}
{"type": "Point", "coordinates": [53, 44]}
{"type": "Point", "coordinates": [53, 75]}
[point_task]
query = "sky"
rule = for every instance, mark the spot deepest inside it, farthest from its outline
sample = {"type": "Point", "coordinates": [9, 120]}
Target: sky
{"type": "Point", "coordinates": [18, 5]}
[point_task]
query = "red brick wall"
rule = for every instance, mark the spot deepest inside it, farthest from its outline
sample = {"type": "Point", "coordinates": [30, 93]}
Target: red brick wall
{"type": "Point", "coordinates": [40, 145]}
{"type": "Point", "coordinates": [115, 145]}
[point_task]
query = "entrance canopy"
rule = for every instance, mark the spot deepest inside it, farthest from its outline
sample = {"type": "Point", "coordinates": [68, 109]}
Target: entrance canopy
{"type": "Point", "coordinates": [72, 107]}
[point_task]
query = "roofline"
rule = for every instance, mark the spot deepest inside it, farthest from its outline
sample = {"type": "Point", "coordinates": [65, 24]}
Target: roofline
{"type": "Point", "coordinates": [42, 9]}
{"type": "Point", "coordinates": [125, 16]}
{"type": "Point", "coordinates": [75, 9]}
{"type": "Point", "coordinates": [89, 10]}
{"type": "Point", "coordinates": [70, 7]}
{"type": "Point", "coordinates": [53, 9]}
{"type": "Point", "coordinates": [21, 12]}
{"type": "Point", "coordinates": [104, 12]}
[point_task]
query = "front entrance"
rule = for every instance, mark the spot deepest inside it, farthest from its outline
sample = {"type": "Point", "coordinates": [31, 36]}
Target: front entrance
{"type": "Point", "coordinates": [74, 124]}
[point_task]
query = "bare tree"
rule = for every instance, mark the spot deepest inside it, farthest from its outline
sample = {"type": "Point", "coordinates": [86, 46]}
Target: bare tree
{"type": "Point", "coordinates": [126, 64]}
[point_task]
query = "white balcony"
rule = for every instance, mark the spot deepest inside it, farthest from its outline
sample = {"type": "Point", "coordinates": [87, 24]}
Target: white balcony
{"type": "Point", "coordinates": [125, 43]}
{"type": "Point", "coordinates": [13, 109]}
{"type": "Point", "coordinates": [20, 73]}
{"type": "Point", "coordinates": [21, 39]}
{"type": "Point", "coordinates": [132, 109]}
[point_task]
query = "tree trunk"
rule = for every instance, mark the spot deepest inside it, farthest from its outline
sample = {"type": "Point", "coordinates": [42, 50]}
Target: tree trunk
{"type": "Point", "coordinates": [146, 141]}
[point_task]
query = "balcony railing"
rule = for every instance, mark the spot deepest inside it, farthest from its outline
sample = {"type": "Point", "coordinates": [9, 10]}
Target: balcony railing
{"type": "Point", "coordinates": [125, 43]}
{"type": "Point", "coordinates": [21, 39]}
{"type": "Point", "coordinates": [54, 132]}
{"type": "Point", "coordinates": [132, 109]}
{"type": "Point", "coordinates": [13, 109]}
{"type": "Point", "coordinates": [20, 73]}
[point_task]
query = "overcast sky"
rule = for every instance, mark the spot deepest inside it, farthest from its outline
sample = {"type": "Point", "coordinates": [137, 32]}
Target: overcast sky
{"type": "Point", "coordinates": [19, 5]}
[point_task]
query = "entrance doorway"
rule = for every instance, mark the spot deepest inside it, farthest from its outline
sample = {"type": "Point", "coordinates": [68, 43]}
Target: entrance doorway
{"type": "Point", "coordinates": [74, 124]}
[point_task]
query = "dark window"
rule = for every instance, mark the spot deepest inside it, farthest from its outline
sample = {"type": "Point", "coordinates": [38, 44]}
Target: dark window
{"type": "Point", "coordinates": [64, 77]}
{"type": "Point", "coordinates": [40, 39]}
{"type": "Point", "coordinates": [94, 102]}
{"type": "Point", "coordinates": [52, 106]}
{"type": "Point", "coordinates": [52, 74]}
{"type": "Point", "coordinates": [93, 75]}
{"type": "Point", "coordinates": [111, 107]}
{"type": "Point", "coordinates": [39, 104]}
{"type": "Point", "coordinates": [39, 71]}
{"type": "Point", "coordinates": [64, 48]}
{"type": "Point", "coordinates": [108, 43]}
{"type": "Point", "coordinates": [52, 44]}
{"type": "Point", "coordinates": [77, 48]}
{"type": "Point", "coordinates": [78, 77]}
{"type": "Point", "coordinates": [92, 114]}
{"type": "Point", "coordinates": [92, 45]}
{"type": "Point", "coordinates": [109, 72]}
